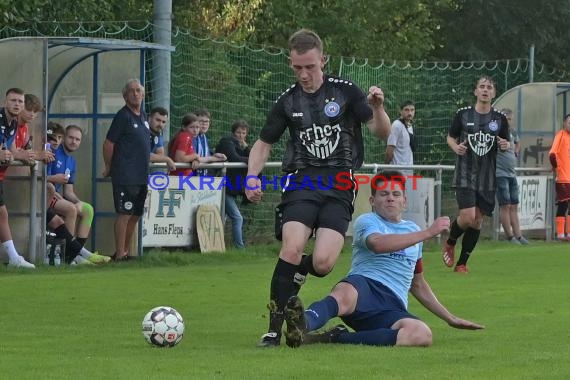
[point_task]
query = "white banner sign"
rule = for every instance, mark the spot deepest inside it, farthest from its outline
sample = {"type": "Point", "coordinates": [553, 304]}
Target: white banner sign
{"type": "Point", "coordinates": [532, 202]}
{"type": "Point", "coordinates": [420, 205]}
{"type": "Point", "coordinates": [169, 218]}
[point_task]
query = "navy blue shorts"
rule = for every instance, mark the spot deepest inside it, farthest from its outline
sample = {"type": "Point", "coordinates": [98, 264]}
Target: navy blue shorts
{"type": "Point", "coordinates": [129, 199]}
{"type": "Point", "coordinates": [507, 191]}
{"type": "Point", "coordinates": [376, 307]}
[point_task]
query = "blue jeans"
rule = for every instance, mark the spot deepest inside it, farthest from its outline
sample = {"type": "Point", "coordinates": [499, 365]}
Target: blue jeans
{"type": "Point", "coordinates": [232, 212]}
{"type": "Point", "coordinates": [507, 191]}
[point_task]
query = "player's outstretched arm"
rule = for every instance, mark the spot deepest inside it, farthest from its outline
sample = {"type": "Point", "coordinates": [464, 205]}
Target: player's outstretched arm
{"type": "Point", "coordinates": [387, 243]}
{"type": "Point", "coordinates": [421, 290]}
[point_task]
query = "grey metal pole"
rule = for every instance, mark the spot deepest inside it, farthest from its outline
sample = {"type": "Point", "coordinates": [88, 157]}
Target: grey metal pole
{"type": "Point", "coordinates": [32, 241]}
{"type": "Point", "coordinates": [531, 64]}
{"type": "Point", "coordinates": [162, 21]}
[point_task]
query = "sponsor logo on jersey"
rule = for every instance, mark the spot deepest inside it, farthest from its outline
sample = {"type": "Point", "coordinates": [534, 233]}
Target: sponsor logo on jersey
{"type": "Point", "coordinates": [481, 143]}
{"type": "Point", "coordinates": [321, 141]}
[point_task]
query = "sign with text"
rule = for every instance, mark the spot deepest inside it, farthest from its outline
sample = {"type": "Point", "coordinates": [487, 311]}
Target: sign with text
{"type": "Point", "coordinates": [169, 218]}
{"type": "Point", "coordinates": [532, 202]}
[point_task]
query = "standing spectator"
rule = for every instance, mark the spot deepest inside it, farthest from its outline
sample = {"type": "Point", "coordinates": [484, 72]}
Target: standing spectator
{"type": "Point", "coordinates": [157, 121]}
{"type": "Point", "coordinates": [324, 116]}
{"type": "Point", "coordinates": [62, 173]}
{"type": "Point", "coordinates": [126, 152]}
{"type": "Point", "coordinates": [386, 266]}
{"type": "Point", "coordinates": [560, 160]}
{"type": "Point", "coordinates": [475, 136]}
{"type": "Point", "coordinates": [201, 146]}
{"type": "Point", "coordinates": [13, 105]}
{"type": "Point", "coordinates": [507, 185]}
{"type": "Point", "coordinates": [235, 148]}
{"type": "Point", "coordinates": [181, 147]}
{"type": "Point", "coordinates": [401, 143]}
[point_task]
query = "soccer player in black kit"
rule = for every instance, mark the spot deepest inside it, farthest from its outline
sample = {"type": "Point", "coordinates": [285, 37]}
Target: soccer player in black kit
{"type": "Point", "coordinates": [475, 135]}
{"type": "Point", "coordinates": [324, 115]}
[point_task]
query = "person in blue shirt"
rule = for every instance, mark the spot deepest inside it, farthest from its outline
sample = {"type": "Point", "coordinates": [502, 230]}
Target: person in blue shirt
{"type": "Point", "coordinates": [373, 298]}
{"type": "Point", "coordinates": [157, 121]}
{"type": "Point", "coordinates": [61, 173]}
{"type": "Point", "coordinates": [126, 153]}
{"type": "Point", "coordinates": [201, 145]}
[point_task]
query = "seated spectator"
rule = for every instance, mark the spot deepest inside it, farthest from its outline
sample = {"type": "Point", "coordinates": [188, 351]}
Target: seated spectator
{"type": "Point", "coordinates": [79, 255]}
{"type": "Point", "coordinates": [55, 133]}
{"type": "Point", "coordinates": [23, 148]}
{"type": "Point", "coordinates": [55, 200]}
{"type": "Point", "coordinates": [62, 173]}
{"type": "Point", "coordinates": [13, 106]}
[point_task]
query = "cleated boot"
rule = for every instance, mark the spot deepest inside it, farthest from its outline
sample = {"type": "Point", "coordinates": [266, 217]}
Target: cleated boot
{"type": "Point", "coordinates": [273, 337]}
{"type": "Point", "coordinates": [270, 339]}
{"type": "Point", "coordinates": [295, 320]}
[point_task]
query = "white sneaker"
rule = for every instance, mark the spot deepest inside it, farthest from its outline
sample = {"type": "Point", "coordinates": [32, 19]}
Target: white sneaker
{"type": "Point", "coordinates": [20, 262]}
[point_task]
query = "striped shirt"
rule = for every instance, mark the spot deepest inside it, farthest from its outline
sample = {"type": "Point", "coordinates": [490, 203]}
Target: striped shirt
{"type": "Point", "coordinates": [476, 169]}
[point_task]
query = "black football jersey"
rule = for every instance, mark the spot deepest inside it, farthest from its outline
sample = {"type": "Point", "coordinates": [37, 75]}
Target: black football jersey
{"type": "Point", "coordinates": [476, 170]}
{"type": "Point", "coordinates": [324, 127]}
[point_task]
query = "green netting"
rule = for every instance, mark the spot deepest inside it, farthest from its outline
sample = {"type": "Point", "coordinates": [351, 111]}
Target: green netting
{"type": "Point", "coordinates": [242, 81]}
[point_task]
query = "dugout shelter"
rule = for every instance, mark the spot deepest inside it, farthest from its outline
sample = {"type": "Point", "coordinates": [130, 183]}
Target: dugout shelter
{"type": "Point", "coordinates": [80, 82]}
{"type": "Point", "coordinates": [538, 109]}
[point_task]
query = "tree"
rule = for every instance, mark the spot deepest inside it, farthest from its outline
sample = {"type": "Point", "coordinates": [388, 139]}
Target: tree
{"type": "Point", "coordinates": [228, 19]}
{"type": "Point", "coordinates": [25, 12]}
{"type": "Point", "coordinates": [502, 29]}
{"type": "Point", "coordinates": [389, 29]}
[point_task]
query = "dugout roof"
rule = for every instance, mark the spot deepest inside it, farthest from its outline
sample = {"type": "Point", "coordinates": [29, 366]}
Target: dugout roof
{"type": "Point", "coordinates": [43, 66]}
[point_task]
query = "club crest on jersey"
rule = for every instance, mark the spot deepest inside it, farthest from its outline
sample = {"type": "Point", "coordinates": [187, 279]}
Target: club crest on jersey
{"type": "Point", "coordinates": [155, 140]}
{"type": "Point", "coordinates": [493, 126]}
{"type": "Point", "coordinates": [321, 141]}
{"type": "Point", "coordinates": [481, 143]}
{"type": "Point", "coordinates": [332, 109]}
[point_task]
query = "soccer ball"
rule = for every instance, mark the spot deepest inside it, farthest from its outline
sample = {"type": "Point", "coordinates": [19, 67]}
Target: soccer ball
{"type": "Point", "coordinates": [163, 327]}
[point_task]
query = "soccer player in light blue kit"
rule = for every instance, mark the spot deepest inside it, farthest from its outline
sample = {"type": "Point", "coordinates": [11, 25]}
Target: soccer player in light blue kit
{"type": "Point", "coordinates": [373, 298]}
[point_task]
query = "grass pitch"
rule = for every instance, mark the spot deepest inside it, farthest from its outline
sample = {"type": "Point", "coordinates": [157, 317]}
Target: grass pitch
{"type": "Point", "coordinates": [85, 323]}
